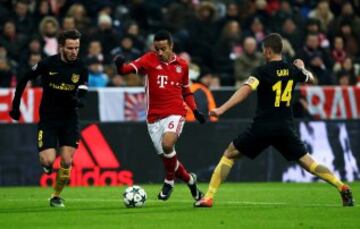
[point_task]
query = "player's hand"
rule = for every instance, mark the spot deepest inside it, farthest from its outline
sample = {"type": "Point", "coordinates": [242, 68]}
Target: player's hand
{"type": "Point", "coordinates": [119, 60]}
{"type": "Point", "coordinates": [199, 116]}
{"type": "Point", "coordinates": [299, 63]}
{"type": "Point", "coordinates": [15, 114]}
{"type": "Point", "coordinates": [217, 112]}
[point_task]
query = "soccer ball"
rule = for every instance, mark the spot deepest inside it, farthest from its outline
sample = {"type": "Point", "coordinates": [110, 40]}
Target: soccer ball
{"type": "Point", "coordinates": [134, 196]}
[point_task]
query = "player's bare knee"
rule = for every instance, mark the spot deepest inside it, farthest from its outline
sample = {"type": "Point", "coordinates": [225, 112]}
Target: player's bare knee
{"type": "Point", "coordinates": [231, 152]}
{"type": "Point", "coordinates": [44, 161]}
{"type": "Point", "coordinates": [168, 147]}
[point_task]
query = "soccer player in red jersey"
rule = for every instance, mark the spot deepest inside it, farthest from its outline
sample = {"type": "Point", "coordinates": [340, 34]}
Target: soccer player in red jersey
{"type": "Point", "coordinates": [166, 90]}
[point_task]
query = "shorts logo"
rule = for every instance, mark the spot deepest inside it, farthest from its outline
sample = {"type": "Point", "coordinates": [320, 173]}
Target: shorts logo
{"type": "Point", "coordinates": [40, 139]}
{"type": "Point", "coordinates": [94, 163]}
{"type": "Point", "coordinates": [75, 78]}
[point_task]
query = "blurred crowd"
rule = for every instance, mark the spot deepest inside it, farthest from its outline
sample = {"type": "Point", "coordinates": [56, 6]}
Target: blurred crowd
{"type": "Point", "coordinates": [222, 37]}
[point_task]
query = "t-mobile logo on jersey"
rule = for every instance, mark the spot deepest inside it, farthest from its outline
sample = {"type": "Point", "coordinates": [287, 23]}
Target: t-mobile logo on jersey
{"type": "Point", "coordinates": [162, 80]}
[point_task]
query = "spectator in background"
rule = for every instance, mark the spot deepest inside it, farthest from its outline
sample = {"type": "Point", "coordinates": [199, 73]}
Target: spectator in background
{"type": "Point", "coordinates": [226, 49]}
{"type": "Point", "coordinates": [78, 12]}
{"type": "Point", "coordinates": [68, 23]}
{"type": "Point", "coordinates": [13, 64]}
{"type": "Point", "coordinates": [349, 67]}
{"type": "Point", "coordinates": [97, 77]}
{"type": "Point", "coordinates": [132, 28]}
{"type": "Point", "coordinates": [317, 59]}
{"type": "Point", "coordinates": [351, 39]}
{"type": "Point", "coordinates": [232, 14]}
{"type": "Point", "coordinates": [292, 33]}
{"type": "Point", "coordinates": [256, 30]}
{"type": "Point", "coordinates": [322, 13]}
{"type": "Point", "coordinates": [126, 48]}
{"type": "Point", "coordinates": [12, 41]}
{"type": "Point", "coordinates": [345, 78]}
{"type": "Point", "coordinates": [203, 96]}
{"type": "Point", "coordinates": [194, 69]}
{"type": "Point", "coordinates": [7, 78]}
{"type": "Point", "coordinates": [176, 18]}
{"type": "Point", "coordinates": [106, 35]}
{"type": "Point", "coordinates": [32, 59]}
{"type": "Point", "coordinates": [338, 53]}
{"type": "Point", "coordinates": [347, 15]}
{"type": "Point", "coordinates": [247, 61]}
{"type": "Point", "coordinates": [95, 51]}
{"type": "Point", "coordinates": [34, 46]}
{"type": "Point", "coordinates": [49, 28]}
{"type": "Point", "coordinates": [257, 11]}
{"type": "Point", "coordinates": [201, 33]}
{"type": "Point", "coordinates": [22, 18]}
{"type": "Point", "coordinates": [42, 10]}
{"type": "Point", "coordinates": [284, 13]}
{"type": "Point", "coordinates": [313, 26]}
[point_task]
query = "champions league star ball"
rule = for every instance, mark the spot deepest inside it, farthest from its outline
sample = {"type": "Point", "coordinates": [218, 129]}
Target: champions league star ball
{"type": "Point", "coordinates": [134, 196]}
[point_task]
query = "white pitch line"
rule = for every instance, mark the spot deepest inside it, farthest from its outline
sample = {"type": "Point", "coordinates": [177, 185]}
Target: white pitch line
{"type": "Point", "coordinates": [181, 201]}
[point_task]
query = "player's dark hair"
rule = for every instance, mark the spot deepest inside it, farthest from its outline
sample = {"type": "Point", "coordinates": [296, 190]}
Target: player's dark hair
{"type": "Point", "coordinates": [273, 41]}
{"type": "Point", "coordinates": [163, 35]}
{"type": "Point", "coordinates": [69, 34]}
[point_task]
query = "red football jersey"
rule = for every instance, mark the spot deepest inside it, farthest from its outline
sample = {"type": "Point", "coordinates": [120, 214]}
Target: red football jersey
{"type": "Point", "coordinates": [164, 84]}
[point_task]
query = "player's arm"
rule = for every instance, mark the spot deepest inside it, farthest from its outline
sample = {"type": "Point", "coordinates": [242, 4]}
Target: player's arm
{"type": "Point", "coordinates": [240, 95]}
{"type": "Point", "coordinates": [309, 77]}
{"type": "Point", "coordinates": [189, 97]}
{"type": "Point", "coordinates": [127, 68]}
{"type": "Point", "coordinates": [20, 87]}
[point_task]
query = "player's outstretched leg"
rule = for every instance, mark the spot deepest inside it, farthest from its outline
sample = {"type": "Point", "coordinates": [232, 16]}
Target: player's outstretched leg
{"type": "Point", "coordinates": [190, 179]}
{"type": "Point", "coordinates": [321, 171]}
{"type": "Point", "coordinates": [219, 175]}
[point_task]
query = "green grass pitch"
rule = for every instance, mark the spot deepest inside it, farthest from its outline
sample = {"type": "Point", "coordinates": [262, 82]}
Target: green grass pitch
{"type": "Point", "coordinates": [237, 205]}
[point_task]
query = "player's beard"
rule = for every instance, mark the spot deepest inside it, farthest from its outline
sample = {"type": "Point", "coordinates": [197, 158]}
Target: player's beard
{"type": "Point", "coordinates": [68, 57]}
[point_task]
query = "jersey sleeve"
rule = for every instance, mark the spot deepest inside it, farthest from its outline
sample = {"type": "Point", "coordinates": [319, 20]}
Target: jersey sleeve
{"type": "Point", "coordinates": [36, 70]}
{"type": "Point", "coordinates": [186, 92]}
{"type": "Point", "coordinates": [185, 79]}
{"type": "Point", "coordinates": [140, 64]}
{"type": "Point", "coordinates": [254, 79]}
{"type": "Point", "coordinates": [301, 75]}
{"type": "Point", "coordinates": [84, 77]}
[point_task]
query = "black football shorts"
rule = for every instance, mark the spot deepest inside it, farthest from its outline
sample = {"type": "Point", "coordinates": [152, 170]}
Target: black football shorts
{"type": "Point", "coordinates": [258, 137]}
{"type": "Point", "coordinates": [54, 133]}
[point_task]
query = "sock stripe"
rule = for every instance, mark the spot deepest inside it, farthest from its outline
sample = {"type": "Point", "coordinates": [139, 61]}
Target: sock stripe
{"type": "Point", "coordinates": [313, 166]}
{"type": "Point", "coordinates": [226, 161]}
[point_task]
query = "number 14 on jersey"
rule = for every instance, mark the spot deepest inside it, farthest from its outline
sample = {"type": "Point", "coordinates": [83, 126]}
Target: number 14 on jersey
{"type": "Point", "coordinates": [280, 95]}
